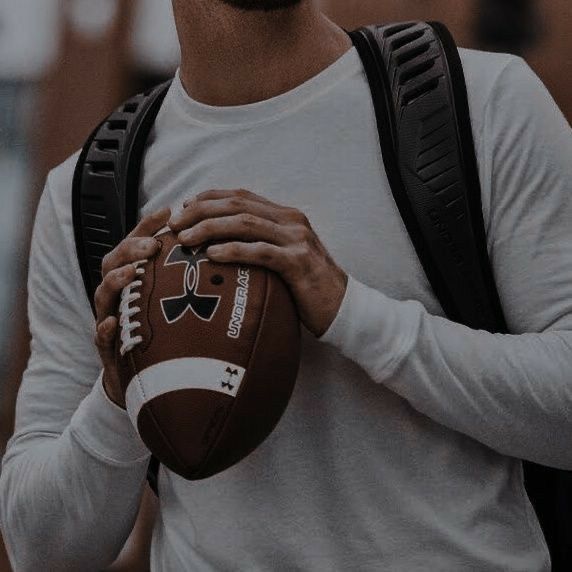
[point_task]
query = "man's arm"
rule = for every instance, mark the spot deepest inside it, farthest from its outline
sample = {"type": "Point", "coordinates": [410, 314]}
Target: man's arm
{"type": "Point", "coordinates": [510, 392]}
{"type": "Point", "coordinates": [74, 470]}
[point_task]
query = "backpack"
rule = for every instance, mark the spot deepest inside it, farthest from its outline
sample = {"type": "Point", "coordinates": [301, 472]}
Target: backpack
{"type": "Point", "coordinates": [422, 113]}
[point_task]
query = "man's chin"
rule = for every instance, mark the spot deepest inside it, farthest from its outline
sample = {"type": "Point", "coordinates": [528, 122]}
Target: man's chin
{"type": "Point", "coordinates": [262, 5]}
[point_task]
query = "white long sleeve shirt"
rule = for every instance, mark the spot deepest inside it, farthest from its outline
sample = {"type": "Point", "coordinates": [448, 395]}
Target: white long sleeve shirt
{"type": "Point", "coordinates": [399, 449]}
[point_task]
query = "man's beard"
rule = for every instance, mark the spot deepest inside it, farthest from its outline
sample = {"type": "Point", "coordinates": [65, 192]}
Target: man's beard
{"type": "Point", "coordinates": [263, 5]}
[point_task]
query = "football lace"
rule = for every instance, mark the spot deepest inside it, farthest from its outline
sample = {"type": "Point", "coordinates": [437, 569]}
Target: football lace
{"type": "Point", "coordinates": [127, 311]}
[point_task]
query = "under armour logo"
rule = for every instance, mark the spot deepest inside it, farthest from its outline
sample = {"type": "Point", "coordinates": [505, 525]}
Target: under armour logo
{"type": "Point", "coordinates": [231, 373]}
{"type": "Point", "coordinates": [202, 306]}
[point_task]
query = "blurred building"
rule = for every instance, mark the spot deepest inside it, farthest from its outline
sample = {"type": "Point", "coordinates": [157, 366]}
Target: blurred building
{"type": "Point", "coordinates": [28, 44]}
{"type": "Point", "coordinates": [108, 50]}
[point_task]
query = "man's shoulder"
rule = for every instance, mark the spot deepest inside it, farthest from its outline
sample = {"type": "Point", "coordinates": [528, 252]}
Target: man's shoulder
{"type": "Point", "coordinates": [484, 63]}
{"type": "Point", "coordinates": [60, 178]}
{"type": "Point", "coordinates": [59, 185]}
{"type": "Point", "coordinates": [482, 71]}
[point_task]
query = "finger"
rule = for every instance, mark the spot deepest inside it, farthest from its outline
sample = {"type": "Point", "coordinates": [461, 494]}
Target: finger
{"type": "Point", "coordinates": [128, 251]}
{"type": "Point", "coordinates": [151, 224]}
{"type": "Point", "coordinates": [214, 194]}
{"type": "Point", "coordinates": [256, 253]}
{"type": "Point", "coordinates": [245, 227]}
{"type": "Point", "coordinates": [108, 292]}
{"type": "Point", "coordinates": [196, 211]}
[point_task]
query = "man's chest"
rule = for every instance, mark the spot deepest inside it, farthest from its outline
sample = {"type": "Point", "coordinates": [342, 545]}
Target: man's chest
{"type": "Point", "coordinates": [333, 173]}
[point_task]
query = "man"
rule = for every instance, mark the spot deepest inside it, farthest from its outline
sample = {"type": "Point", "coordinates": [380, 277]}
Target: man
{"type": "Point", "coordinates": [398, 451]}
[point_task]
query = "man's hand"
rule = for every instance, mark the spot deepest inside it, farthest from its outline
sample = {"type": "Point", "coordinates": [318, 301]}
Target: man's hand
{"type": "Point", "coordinates": [119, 271]}
{"type": "Point", "coordinates": [257, 231]}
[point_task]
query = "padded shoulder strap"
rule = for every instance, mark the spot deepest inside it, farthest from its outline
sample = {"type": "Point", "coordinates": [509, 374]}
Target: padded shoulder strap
{"type": "Point", "coordinates": [422, 112]}
{"type": "Point", "coordinates": [106, 182]}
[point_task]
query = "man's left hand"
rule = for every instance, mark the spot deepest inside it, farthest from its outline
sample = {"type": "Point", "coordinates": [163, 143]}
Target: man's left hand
{"type": "Point", "coordinates": [260, 232]}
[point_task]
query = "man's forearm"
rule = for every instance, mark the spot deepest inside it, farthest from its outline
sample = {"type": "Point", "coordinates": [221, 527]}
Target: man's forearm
{"type": "Point", "coordinates": [68, 502]}
{"type": "Point", "coordinates": [510, 392]}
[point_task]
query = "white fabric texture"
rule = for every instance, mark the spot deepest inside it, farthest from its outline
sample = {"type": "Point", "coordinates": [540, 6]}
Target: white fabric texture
{"type": "Point", "coordinates": [399, 448]}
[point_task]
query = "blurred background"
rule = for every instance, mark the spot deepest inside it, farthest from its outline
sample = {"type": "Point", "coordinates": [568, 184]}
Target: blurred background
{"type": "Point", "coordinates": [65, 64]}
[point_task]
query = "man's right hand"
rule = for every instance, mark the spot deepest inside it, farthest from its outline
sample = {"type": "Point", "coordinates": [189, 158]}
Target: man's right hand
{"type": "Point", "coordinates": [119, 271]}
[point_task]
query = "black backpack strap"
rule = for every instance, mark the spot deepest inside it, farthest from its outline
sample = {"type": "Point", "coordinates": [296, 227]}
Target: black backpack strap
{"type": "Point", "coordinates": [422, 112]}
{"type": "Point", "coordinates": [105, 193]}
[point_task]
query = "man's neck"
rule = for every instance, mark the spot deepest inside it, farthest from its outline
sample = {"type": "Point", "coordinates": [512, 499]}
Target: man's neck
{"type": "Point", "coordinates": [234, 57]}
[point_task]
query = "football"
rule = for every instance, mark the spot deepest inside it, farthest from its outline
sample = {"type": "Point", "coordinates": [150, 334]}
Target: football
{"type": "Point", "coordinates": [208, 355]}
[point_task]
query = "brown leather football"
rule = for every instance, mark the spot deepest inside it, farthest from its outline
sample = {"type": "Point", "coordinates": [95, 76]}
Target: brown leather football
{"type": "Point", "coordinates": [208, 357]}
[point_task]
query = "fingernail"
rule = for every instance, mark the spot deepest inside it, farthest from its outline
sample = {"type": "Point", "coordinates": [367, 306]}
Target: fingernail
{"type": "Point", "coordinates": [149, 244]}
{"type": "Point", "coordinates": [214, 250]}
{"type": "Point", "coordinates": [186, 235]}
{"type": "Point", "coordinates": [109, 327]}
{"type": "Point", "coordinates": [174, 220]}
{"type": "Point", "coordinates": [189, 202]}
{"type": "Point", "coordinates": [163, 213]}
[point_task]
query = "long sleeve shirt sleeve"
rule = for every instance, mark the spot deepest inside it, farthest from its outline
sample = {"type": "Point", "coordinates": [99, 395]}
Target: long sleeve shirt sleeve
{"type": "Point", "coordinates": [74, 470]}
{"type": "Point", "coordinates": [511, 392]}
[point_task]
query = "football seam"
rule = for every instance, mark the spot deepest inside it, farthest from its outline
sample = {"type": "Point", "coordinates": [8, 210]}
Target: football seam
{"type": "Point", "coordinates": [243, 385]}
